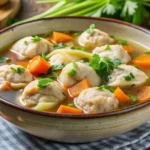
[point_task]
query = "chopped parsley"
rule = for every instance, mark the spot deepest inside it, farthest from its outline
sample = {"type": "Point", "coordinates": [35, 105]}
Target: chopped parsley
{"type": "Point", "coordinates": [43, 82]}
{"type": "Point", "coordinates": [70, 104]}
{"type": "Point", "coordinates": [45, 56]}
{"type": "Point", "coordinates": [36, 38]}
{"type": "Point", "coordinates": [75, 65]}
{"type": "Point", "coordinates": [77, 33]}
{"type": "Point", "coordinates": [102, 87]}
{"type": "Point", "coordinates": [103, 66]}
{"type": "Point", "coordinates": [53, 75]}
{"type": "Point", "coordinates": [129, 77]}
{"type": "Point", "coordinates": [4, 59]}
{"type": "Point", "coordinates": [59, 46]}
{"type": "Point", "coordinates": [71, 72]}
{"type": "Point", "coordinates": [123, 42]}
{"type": "Point", "coordinates": [91, 29]}
{"type": "Point", "coordinates": [147, 53]}
{"type": "Point", "coordinates": [57, 67]}
{"type": "Point", "coordinates": [107, 48]}
{"type": "Point", "coordinates": [26, 42]}
{"type": "Point", "coordinates": [132, 97]}
{"type": "Point", "coordinates": [18, 70]}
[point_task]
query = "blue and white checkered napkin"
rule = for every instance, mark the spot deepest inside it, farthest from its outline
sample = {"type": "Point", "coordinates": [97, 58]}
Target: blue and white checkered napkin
{"type": "Point", "coordinates": [12, 138]}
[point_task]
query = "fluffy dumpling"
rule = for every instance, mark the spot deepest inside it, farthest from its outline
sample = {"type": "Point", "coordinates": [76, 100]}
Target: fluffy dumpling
{"type": "Point", "coordinates": [28, 48]}
{"type": "Point", "coordinates": [14, 76]}
{"type": "Point", "coordinates": [113, 52]}
{"type": "Point", "coordinates": [62, 58]}
{"type": "Point", "coordinates": [96, 101]}
{"type": "Point", "coordinates": [127, 75]}
{"type": "Point", "coordinates": [96, 38]}
{"type": "Point", "coordinates": [82, 71]}
{"type": "Point", "coordinates": [33, 95]}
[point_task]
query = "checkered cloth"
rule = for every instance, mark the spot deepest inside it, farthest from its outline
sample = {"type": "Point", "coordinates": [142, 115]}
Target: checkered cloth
{"type": "Point", "coordinates": [12, 138]}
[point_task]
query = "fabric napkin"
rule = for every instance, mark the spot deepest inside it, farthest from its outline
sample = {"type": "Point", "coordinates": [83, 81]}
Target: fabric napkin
{"type": "Point", "coordinates": [12, 138]}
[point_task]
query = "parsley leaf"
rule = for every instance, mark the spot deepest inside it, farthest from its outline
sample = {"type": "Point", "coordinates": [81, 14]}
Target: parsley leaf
{"type": "Point", "coordinates": [53, 75]}
{"type": "Point", "coordinates": [70, 104]}
{"type": "Point", "coordinates": [71, 72]}
{"type": "Point", "coordinates": [57, 67]}
{"type": "Point", "coordinates": [43, 82]}
{"type": "Point", "coordinates": [59, 46]}
{"type": "Point", "coordinates": [18, 70]}
{"type": "Point", "coordinates": [129, 77]}
{"type": "Point", "coordinates": [36, 38]}
{"type": "Point", "coordinates": [123, 42]}
{"type": "Point", "coordinates": [45, 56]}
{"type": "Point", "coordinates": [26, 42]}
{"type": "Point", "coordinates": [132, 97]}
{"type": "Point", "coordinates": [91, 29]}
{"type": "Point", "coordinates": [147, 53]}
{"type": "Point", "coordinates": [107, 47]}
{"type": "Point", "coordinates": [103, 66]}
{"type": "Point", "coordinates": [4, 59]}
{"type": "Point", "coordinates": [75, 65]}
{"type": "Point", "coordinates": [102, 87]}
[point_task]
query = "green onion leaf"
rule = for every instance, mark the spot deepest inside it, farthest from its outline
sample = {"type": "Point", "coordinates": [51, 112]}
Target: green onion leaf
{"type": "Point", "coordinates": [70, 104]}
{"type": "Point", "coordinates": [26, 42]}
{"type": "Point", "coordinates": [107, 48]}
{"type": "Point", "coordinates": [18, 70]}
{"type": "Point", "coordinates": [57, 67]}
{"type": "Point", "coordinates": [53, 75]}
{"type": "Point", "coordinates": [75, 65]}
{"type": "Point", "coordinates": [59, 46]}
{"type": "Point", "coordinates": [45, 56]}
{"type": "Point", "coordinates": [43, 82]}
{"type": "Point", "coordinates": [129, 77]}
{"type": "Point", "coordinates": [123, 42]}
{"type": "Point", "coordinates": [132, 97]}
{"type": "Point", "coordinates": [71, 72]}
{"type": "Point", "coordinates": [36, 38]}
{"type": "Point", "coordinates": [91, 29]}
{"type": "Point", "coordinates": [147, 53]}
{"type": "Point", "coordinates": [4, 59]}
{"type": "Point", "coordinates": [102, 87]}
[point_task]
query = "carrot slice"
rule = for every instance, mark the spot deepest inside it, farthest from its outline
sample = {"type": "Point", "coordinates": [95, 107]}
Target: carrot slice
{"type": "Point", "coordinates": [142, 60]}
{"type": "Point", "coordinates": [6, 86]}
{"type": "Point", "coordinates": [69, 110]}
{"type": "Point", "coordinates": [38, 65]}
{"type": "Point", "coordinates": [121, 96]}
{"type": "Point", "coordinates": [76, 89]}
{"type": "Point", "coordinates": [22, 63]}
{"type": "Point", "coordinates": [143, 94]}
{"type": "Point", "coordinates": [127, 48]}
{"type": "Point", "coordinates": [59, 37]}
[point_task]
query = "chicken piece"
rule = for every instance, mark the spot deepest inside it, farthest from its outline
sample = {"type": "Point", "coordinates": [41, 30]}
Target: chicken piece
{"type": "Point", "coordinates": [82, 71]}
{"type": "Point", "coordinates": [28, 48]}
{"type": "Point", "coordinates": [14, 75]}
{"type": "Point", "coordinates": [96, 38]}
{"type": "Point", "coordinates": [127, 75]}
{"type": "Point", "coordinates": [62, 58]}
{"type": "Point", "coordinates": [93, 100]}
{"type": "Point", "coordinates": [113, 52]}
{"type": "Point", "coordinates": [32, 94]}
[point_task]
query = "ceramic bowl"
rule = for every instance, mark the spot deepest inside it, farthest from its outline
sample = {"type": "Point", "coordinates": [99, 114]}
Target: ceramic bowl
{"type": "Point", "coordinates": [75, 128]}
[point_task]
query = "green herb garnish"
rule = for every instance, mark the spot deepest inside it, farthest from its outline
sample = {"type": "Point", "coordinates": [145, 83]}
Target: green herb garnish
{"type": "Point", "coordinates": [71, 72]}
{"type": "Point", "coordinates": [123, 42]}
{"type": "Point", "coordinates": [75, 65]}
{"type": "Point", "coordinates": [107, 48]}
{"type": "Point", "coordinates": [36, 38]}
{"type": "Point", "coordinates": [18, 70]}
{"type": "Point", "coordinates": [129, 77]}
{"type": "Point", "coordinates": [57, 67]}
{"type": "Point", "coordinates": [4, 59]}
{"type": "Point", "coordinates": [91, 29]}
{"type": "Point", "coordinates": [103, 66]}
{"type": "Point", "coordinates": [70, 104]}
{"type": "Point", "coordinates": [132, 97]}
{"type": "Point", "coordinates": [45, 56]}
{"type": "Point", "coordinates": [53, 75]}
{"type": "Point", "coordinates": [77, 33]}
{"type": "Point", "coordinates": [147, 53]}
{"type": "Point", "coordinates": [43, 82]}
{"type": "Point", "coordinates": [102, 87]}
{"type": "Point", "coordinates": [59, 46]}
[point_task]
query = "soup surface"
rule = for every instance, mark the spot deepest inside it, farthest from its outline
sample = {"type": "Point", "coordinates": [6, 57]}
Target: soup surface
{"type": "Point", "coordinates": [75, 72]}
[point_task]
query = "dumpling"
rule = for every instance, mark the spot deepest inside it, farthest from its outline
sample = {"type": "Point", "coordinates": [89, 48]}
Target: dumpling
{"type": "Point", "coordinates": [96, 101]}
{"type": "Point", "coordinates": [96, 38]}
{"type": "Point", "coordinates": [33, 95]}
{"type": "Point", "coordinates": [82, 71]}
{"type": "Point", "coordinates": [28, 48]}
{"type": "Point", "coordinates": [62, 58]}
{"type": "Point", "coordinates": [115, 52]}
{"type": "Point", "coordinates": [14, 75]}
{"type": "Point", "coordinates": [127, 75]}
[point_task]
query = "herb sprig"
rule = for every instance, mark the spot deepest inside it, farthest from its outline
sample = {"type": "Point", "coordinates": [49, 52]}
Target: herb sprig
{"type": "Point", "coordinates": [43, 82]}
{"type": "Point", "coordinates": [18, 70]}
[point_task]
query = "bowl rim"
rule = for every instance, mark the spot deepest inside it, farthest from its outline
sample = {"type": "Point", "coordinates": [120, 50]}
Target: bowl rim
{"type": "Point", "coordinates": [76, 116]}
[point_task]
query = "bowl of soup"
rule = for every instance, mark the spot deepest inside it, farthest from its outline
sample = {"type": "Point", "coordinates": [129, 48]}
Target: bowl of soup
{"type": "Point", "coordinates": [75, 79]}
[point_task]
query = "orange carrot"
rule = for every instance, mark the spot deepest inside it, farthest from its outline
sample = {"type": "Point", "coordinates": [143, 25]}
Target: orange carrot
{"type": "Point", "coordinates": [76, 89]}
{"type": "Point", "coordinates": [38, 65]}
{"type": "Point", "coordinates": [22, 63]}
{"type": "Point", "coordinates": [127, 48]}
{"type": "Point", "coordinates": [143, 94]}
{"type": "Point", "coordinates": [142, 60]}
{"type": "Point", "coordinates": [69, 110]}
{"type": "Point", "coordinates": [59, 37]}
{"type": "Point", "coordinates": [121, 96]}
{"type": "Point", "coordinates": [6, 86]}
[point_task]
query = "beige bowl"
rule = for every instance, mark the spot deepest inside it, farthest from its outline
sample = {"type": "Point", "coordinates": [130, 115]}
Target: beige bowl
{"type": "Point", "coordinates": [75, 128]}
